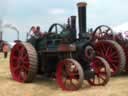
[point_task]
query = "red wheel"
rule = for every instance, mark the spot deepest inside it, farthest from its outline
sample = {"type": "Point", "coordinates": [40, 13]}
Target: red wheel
{"type": "Point", "coordinates": [23, 62]}
{"type": "Point", "coordinates": [113, 53]}
{"type": "Point", "coordinates": [102, 32]}
{"type": "Point", "coordinates": [102, 72]}
{"type": "Point", "coordinates": [70, 75]}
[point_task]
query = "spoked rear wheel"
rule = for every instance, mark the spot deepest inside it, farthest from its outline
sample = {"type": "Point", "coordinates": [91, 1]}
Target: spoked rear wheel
{"type": "Point", "coordinates": [23, 62]}
{"type": "Point", "coordinates": [113, 53]}
{"type": "Point", "coordinates": [70, 75]}
{"type": "Point", "coordinates": [102, 72]}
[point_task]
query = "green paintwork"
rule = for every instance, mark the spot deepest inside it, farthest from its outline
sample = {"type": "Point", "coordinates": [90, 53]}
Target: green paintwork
{"type": "Point", "coordinates": [49, 42]}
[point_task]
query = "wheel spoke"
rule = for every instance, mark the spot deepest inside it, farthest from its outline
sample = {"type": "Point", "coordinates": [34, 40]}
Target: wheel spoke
{"type": "Point", "coordinates": [64, 73]}
{"type": "Point", "coordinates": [103, 50]}
{"type": "Point", "coordinates": [14, 58]}
{"type": "Point", "coordinates": [106, 31]}
{"type": "Point", "coordinates": [101, 77]}
{"type": "Point", "coordinates": [94, 79]}
{"type": "Point", "coordinates": [65, 79]}
{"type": "Point", "coordinates": [98, 79]}
{"type": "Point", "coordinates": [26, 58]}
{"type": "Point", "coordinates": [26, 68]}
{"type": "Point", "coordinates": [114, 67]}
{"type": "Point", "coordinates": [100, 30]}
{"type": "Point", "coordinates": [73, 85]}
{"type": "Point", "coordinates": [22, 52]}
{"type": "Point", "coordinates": [108, 52]}
{"type": "Point", "coordinates": [113, 54]}
{"type": "Point", "coordinates": [16, 68]}
{"type": "Point", "coordinates": [56, 28]}
{"type": "Point", "coordinates": [15, 61]}
{"type": "Point", "coordinates": [24, 75]}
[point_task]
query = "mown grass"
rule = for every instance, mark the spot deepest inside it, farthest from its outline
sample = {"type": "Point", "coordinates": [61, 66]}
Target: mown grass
{"type": "Point", "coordinates": [118, 86]}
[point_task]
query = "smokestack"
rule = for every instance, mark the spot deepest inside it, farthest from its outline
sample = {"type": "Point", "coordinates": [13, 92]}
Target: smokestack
{"type": "Point", "coordinates": [73, 26]}
{"type": "Point", "coordinates": [1, 36]}
{"type": "Point", "coordinates": [82, 18]}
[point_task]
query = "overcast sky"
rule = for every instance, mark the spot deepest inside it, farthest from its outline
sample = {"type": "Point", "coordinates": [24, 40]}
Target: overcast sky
{"type": "Point", "coordinates": [25, 13]}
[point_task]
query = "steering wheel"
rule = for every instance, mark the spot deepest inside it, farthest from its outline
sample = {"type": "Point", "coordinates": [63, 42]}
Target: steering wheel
{"type": "Point", "coordinates": [56, 28]}
{"type": "Point", "coordinates": [103, 32]}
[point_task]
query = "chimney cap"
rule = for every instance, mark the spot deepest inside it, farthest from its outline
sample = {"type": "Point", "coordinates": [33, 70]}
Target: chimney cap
{"type": "Point", "coordinates": [73, 16]}
{"type": "Point", "coordinates": [81, 4]}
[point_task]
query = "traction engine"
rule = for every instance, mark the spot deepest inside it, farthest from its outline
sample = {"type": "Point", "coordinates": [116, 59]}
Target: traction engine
{"type": "Point", "coordinates": [112, 47]}
{"type": "Point", "coordinates": [60, 54]}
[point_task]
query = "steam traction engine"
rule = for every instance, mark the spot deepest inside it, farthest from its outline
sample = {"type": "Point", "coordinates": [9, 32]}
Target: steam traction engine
{"type": "Point", "coordinates": [112, 47]}
{"type": "Point", "coordinates": [60, 54]}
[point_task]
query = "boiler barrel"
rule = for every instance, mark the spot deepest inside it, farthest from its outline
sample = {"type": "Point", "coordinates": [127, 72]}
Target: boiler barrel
{"type": "Point", "coordinates": [82, 18]}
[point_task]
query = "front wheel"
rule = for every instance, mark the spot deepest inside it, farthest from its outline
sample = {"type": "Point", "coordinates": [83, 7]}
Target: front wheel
{"type": "Point", "coordinates": [102, 72]}
{"type": "Point", "coordinates": [70, 75]}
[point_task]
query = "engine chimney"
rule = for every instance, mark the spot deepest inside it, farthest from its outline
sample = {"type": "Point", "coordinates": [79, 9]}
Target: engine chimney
{"type": "Point", "coordinates": [1, 35]}
{"type": "Point", "coordinates": [73, 27]}
{"type": "Point", "coordinates": [82, 19]}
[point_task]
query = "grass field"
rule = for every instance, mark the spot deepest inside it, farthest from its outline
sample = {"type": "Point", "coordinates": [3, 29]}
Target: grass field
{"type": "Point", "coordinates": [118, 86]}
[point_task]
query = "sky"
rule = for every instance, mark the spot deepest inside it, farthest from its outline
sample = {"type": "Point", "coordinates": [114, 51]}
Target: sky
{"type": "Point", "coordinates": [25, 13]}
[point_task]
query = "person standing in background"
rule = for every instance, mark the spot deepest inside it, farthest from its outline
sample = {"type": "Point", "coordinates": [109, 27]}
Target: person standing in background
{"type": "Point", "coordinates": [5, 50]}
